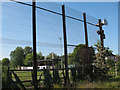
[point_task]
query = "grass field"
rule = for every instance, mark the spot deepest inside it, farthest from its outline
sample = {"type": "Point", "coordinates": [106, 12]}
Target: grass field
{"type": "Point", "coordinates": [99, 84]}
{"type": "Point", "coordinates": [111, 83]}
{"type": "Point", "coordinates": [26, 76]}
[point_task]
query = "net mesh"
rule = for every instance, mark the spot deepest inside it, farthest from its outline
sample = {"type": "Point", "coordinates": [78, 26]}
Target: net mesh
{"type": "Point", "coordinates": [17, 28]}
{"type": "Point", "coordinates": [49, 29]}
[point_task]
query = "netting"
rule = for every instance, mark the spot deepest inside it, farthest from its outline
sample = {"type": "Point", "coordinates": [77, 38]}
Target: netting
{"type": "Point", "coordinates": [49, 29]}
{"type": "Point", "coordinates": [16, 26]}
{"type": "Point", "coordinates": [74, 29]}
{"type": "Point", "coordinates": [17, 29]}
{"type": "Point", "coordinates": [119, 29]}
{"type": "Point", "coordinates": [93, 37]}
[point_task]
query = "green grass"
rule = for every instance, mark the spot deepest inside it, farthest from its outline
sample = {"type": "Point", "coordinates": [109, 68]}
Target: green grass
{"type": "Point", "coordinates": [110, 83]}
{"type": "Point", "coordinates": [26, 75]}
{"type": "Point", "coordinates": [100, 84]}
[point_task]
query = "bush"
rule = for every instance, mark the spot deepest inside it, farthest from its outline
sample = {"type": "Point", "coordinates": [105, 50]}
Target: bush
{"type": "Point", "coordinates": [48, 79]}
{"type": "Point", "coordinates": [7, 81]}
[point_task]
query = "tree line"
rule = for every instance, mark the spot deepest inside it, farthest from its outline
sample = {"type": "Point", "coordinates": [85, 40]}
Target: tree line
{"type": "Point", "coordinates": [24, 57]}
{"type": "Point", "coordinates": [96, 58]}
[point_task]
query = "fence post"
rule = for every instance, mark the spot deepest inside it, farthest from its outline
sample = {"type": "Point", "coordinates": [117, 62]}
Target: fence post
{"type": "Point", "coordinates": [86, 40]}
{"type": "Point", "coordinates": [85, 27]}
{"type": "Point", "coordinates": [34, 46]}
{"type": "Point", "coordinates": [65, 45]}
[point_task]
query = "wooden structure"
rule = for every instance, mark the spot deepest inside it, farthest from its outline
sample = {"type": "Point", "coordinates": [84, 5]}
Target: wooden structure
{"type": "Point", "coordinates": [49, 62]}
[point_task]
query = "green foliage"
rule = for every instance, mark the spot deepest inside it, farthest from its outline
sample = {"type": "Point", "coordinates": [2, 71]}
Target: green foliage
{"type": "Point", "coordinates": [118, 63]}
{"type": "Point", "coordinates": [101, 63]}
{"type": "Point", "coordinates": [111, 63]}
{"type": "Point", "coordinates": [17, 56]}
{"type": "Point", "coordinates": [56, 59]}
{"type": "Point", "coordinates": [13, 64]}
{"type": "Point", "coordinates": [4, 77]}
{"type": "Point", "coordinates": [20, 57]}
{"type": "Point", "coordinates": [7, 82]}
{"type": "Point", "coordinates": [28, 59]}
{"type": "Point", "coordinates": [56, 77]}
{"type": "Point", "coordinates": [27, 50]}
{"type": "Point", "coordinates": [40, 56]}
{"type": "Point", "coordinates": [75, 58]}
{"type": "Point", "coordinates": [57, 86]}
{"type": "Point", "coordinates": [80, 57]}
{"type": "Point", "coordinates": [73, 74]}
{"type": "Point", "coordinates": [48, 79]}
{"type": "Point", "coordinates": [5, 61]}
{"type": "Point", "coordinates": [54, 55]}
{"type": "Point", "coordinates": [4, 71]}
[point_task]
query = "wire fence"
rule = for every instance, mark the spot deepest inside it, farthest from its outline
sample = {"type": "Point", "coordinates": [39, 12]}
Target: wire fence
{"type": "Point", "coordinates": [17, 28]}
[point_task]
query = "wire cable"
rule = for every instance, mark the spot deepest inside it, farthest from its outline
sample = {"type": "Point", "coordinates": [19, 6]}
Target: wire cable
{"type": "Point", "coordinates": [53, 12]}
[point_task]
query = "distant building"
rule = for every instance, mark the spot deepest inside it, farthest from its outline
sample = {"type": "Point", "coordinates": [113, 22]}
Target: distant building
{"type": "Point", "coordinates": [45, 63]}
{"type": "Point", "coordinates": [49, 63]}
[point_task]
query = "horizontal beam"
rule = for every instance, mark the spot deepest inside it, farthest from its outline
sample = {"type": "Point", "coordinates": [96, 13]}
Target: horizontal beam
{"type": "Point", "coordinates": [71, 45]}
{"type": "Point", "coordinates": [38, 70]}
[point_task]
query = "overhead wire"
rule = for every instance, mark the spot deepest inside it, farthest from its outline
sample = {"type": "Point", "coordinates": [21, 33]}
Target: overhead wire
{"type": "Point", "coordinates": [26, 42]}
{"type": "Point", "coordinates": [42, 43]}
{"type": "Point", "coordinates": [53, 12]}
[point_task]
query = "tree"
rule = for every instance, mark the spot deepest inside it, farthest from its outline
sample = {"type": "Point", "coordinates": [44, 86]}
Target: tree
{"type": "Point", "coordinates": [28, 59]}
{"type": "Point", "coordinates": [40, 56]}
{"type": "Point", "coordinates": [118, 63]}
{"type": "Point", "coordinates": [83, 58]}
{"type": "Point", "coordinates": [54, 55]}
{"type": "Point", "coordinates": [78, 56]}
{"type": "Point", "coordinates": [56, 59]}
{"type": "Point", "coordinates": [5, 61]}
{"type": "Point", "coordinates": [27, 50]}
{"type": "Point", "coordinates": [102, 64]}
{"type": "Point", "coordinates": [17, 57]}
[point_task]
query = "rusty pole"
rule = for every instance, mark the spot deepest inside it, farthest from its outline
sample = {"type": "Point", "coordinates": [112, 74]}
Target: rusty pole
{"type": "Point", "coordinates": [101, 33]}
{"type": "Point", "coordinates": [34, 46]}
{"type": "Point", "coordinates": [65, 44]}
{"type": "Point", "coordinates": [85, 27]}
{"type": "Point", "coordinates": [86, 40]}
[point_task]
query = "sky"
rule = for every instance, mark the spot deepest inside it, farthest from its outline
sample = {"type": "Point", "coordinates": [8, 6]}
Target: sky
{"type": "Point", "coordinates": [101, 10]}
{"type": "Point", "coordinates": [17, 26]}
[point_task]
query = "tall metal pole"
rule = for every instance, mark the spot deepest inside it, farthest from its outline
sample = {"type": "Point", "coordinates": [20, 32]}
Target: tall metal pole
{"type": "Point", "coordinates": [65, 45]}
{"type": "Point", "coordinates": [86, 40]}
{"type": "Point", "coordinates": [85, 27]}
{"type": "Point", "coordinates": [101, 33]}
{"type": "Point", "coordinates": [34, 46]}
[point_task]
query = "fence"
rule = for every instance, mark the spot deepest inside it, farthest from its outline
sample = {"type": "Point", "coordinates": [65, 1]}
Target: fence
{"type": "Point", "coordinates": [57, 28]}
{"type": "Point", "coordinates": [46, 77]}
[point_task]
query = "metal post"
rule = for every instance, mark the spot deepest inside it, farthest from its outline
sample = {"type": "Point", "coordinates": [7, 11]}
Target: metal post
{"type": "Point", "coordinates": [34, 46]}
{"type": "Point", "coordinates": [65, 45]}
{"type": "Point", "coordinates": [86, 40]}
{"type": "Point", "coordinates": [101, 33]}
{"type": "Point", "coordinates": [85, 26]}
